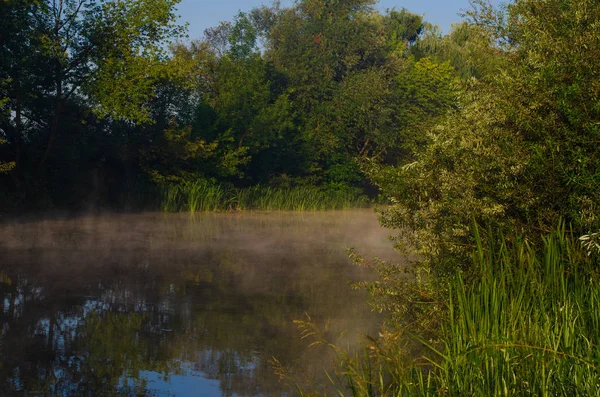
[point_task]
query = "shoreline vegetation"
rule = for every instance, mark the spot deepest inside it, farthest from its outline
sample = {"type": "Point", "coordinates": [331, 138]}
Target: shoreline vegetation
{"type": "Point", "coordinates": [203, 196]}
{"type": "Point", "coordinates": [523, 321]}
{"type": "Point", "coordinates": [485, 141]}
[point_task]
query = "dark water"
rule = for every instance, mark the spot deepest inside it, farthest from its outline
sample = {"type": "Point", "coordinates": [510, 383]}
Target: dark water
{"type": "Point", "coordinates": [167, 305]}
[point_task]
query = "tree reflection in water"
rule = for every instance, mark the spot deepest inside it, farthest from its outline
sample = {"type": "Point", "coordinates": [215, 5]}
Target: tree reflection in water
{"type": "Point", "coordinates": [122, 305]}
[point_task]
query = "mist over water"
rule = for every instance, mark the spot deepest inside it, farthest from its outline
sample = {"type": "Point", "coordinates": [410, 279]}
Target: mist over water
{"type": "Point", "coordinates": [174, 304]}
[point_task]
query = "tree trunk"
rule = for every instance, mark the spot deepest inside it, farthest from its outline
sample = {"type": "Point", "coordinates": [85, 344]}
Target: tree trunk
{"type": "Point", "coordinates": [58, 108]}
{"type": "Point", "coordinates": [58, 79]}
{"type": "Point", "coordinates": [15, 137]}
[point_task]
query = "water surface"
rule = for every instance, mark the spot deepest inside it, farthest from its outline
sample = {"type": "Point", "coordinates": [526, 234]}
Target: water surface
{"type": "Point", "coordinates": [173, 304]}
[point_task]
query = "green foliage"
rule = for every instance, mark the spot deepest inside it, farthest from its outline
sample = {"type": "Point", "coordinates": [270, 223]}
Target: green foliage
{"type": "Point", "coordinates": [426, 90]}
{"type": "Point", "coordinates": [243, 37]}
{"type": "Point", "coordinates": [6, 167]}
{"type": "Point", "coordinates": [467, 48]}
{"type": "Point", "coordinates": [531, 314]}
{"type": "Point", "coordinates": [110, 52]}
{"type": "Point", "coordinates": [361, 114]}
{"type": "Point", "coordinates": [300, 94]}
{"type": "Point", "coordinates": [520, 149]}
{"type": "Point", "coordinates": [129, 59]}
{"type": "Point", "coordinates": [73, 72]}
{"type": "Point", "coordinates": [318, 43]}
{"type": "Point", "coordinates": [197, 196]}
{"type": "Point", "coordinates": [342, 62]}
{"type": "Point", "coordinates": [403, 29]}
{"type": "Point", "coordinates": [522, 322]}
{"type": "Point", "coordinates": [517, 151]}
{"type": "Point", "coordinates": [203, 196]}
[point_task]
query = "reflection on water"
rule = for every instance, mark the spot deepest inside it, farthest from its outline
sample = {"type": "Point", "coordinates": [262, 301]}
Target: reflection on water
{"type": "Point", "coordinates": [160, 304]}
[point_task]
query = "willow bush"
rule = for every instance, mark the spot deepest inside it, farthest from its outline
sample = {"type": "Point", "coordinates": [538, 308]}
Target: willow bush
{"type": "Point", "coordinates": [521, 147]}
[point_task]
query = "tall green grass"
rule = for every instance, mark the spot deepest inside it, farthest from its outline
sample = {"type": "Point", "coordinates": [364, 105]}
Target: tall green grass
{"type": "Point", "coordinates": [204, 196]}
{"type": "Point", "coordinates": [527, 324]}
{"type": "Point", "coordinates": [524, 321]}
{"type": "Point", "coordinates": [197, 196]}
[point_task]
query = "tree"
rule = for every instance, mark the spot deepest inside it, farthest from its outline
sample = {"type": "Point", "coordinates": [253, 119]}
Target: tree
{"type": "Point", "coordinates": [341, 61]}
{"type": "Point", "coordinates": [102, 56]}
{"type": "Point", "coordinates": [16, 83]}
{"type": "Point", "coordinates": [403, 29]}
{"type": "Point", "coordinates": [6, 167]}
{"type": "Point", "coordinates": [521, 149]}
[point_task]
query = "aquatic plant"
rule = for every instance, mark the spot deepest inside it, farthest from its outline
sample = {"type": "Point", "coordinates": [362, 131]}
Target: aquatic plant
{"type": "Point", "coordinates": [524, 322]}
{"type": "Point", "coordinates": [202, 196]}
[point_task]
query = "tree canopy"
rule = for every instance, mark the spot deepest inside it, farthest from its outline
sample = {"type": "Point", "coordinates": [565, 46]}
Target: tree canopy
{"type": "Point", "coordinates": [495, 120]}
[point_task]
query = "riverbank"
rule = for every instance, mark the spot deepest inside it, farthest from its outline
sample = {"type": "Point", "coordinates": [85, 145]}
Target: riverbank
{"type": "Point", "coordinates": [523, 321]}
{"type": "Point", "coordinates": [202, 196]}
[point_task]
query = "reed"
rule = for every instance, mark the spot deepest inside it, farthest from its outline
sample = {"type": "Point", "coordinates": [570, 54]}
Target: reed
{"type": "Point", "coordinates": [528, 324]}
{"type": "Point", "coordinates": [525, 320]}
{"type": "Point", "coordinates": [202, 196]}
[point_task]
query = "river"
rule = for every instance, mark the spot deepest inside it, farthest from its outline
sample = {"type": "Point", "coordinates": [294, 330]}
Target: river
{"type": "Point", "coordinates": [179, 305]}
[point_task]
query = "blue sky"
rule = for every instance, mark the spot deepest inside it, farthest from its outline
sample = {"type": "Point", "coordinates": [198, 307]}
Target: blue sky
{"type": "Point", "coordinates": [202, 14]}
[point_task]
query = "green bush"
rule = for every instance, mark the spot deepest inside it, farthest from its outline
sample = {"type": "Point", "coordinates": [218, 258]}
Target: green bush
{"type": "Point", "coordinates": [521, 149]}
